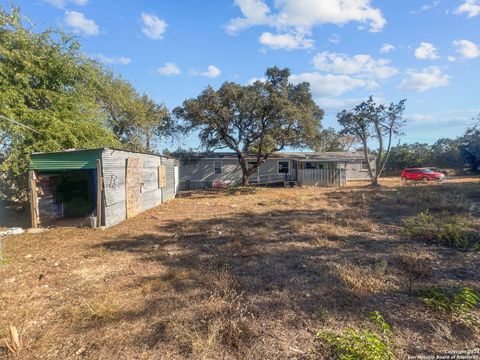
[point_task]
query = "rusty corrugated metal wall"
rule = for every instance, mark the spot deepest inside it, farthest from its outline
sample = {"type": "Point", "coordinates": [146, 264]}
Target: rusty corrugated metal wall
{"type": "Point", "coordinates": [151, 195]}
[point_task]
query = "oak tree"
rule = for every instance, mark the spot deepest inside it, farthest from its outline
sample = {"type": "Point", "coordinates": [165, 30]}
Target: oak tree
{"type": "Point", "coordinates": [368, 122]}
{"type": "Point", "coordinates": [254, 120]}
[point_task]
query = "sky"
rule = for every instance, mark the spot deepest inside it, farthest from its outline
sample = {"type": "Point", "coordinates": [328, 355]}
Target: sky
{"type": "Point", "coordinates": [425, 51]}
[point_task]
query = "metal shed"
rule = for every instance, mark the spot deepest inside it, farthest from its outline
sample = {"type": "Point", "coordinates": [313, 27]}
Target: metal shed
{"type": "Point", "coordinates": [101, 187]}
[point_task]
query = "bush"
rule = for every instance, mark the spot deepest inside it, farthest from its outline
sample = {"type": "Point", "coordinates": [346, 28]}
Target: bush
{"type": "Point", "coordinates": [361, 345]}
{"type": "Point", "coordinates": [460, 303]}
{"type": "Point", "coordinates": [451, 231]}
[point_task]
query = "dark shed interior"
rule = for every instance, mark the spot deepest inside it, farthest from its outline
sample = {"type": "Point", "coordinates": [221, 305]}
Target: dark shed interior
{"type": "Point", "coordinates": [66, 186]}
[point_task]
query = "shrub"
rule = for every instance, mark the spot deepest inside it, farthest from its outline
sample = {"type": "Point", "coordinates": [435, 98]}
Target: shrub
{"type": "Point", "coordinates": [459, 304]}
{"type": "Point", "coordinates": [451, 231]}
{"type": "Point", "coordinates": [361, 345]}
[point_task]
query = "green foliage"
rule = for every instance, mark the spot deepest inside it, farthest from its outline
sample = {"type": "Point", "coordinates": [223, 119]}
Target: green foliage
{"type": "Point", "coordinates": [255, 119]}
{"type": "Point", "coordinates": [380, 322]}
{"type": "Point", "coordinates": [470, 147]}
{"type": "Point", "coordinates": [409, 155]}
{"type": "Point", "coordinates": [451, 231]}
{"type": "Point", "coordinates": [361, 345]}
{"type": "Point", "coordinates": [370, 121]}
{"type": "Point", "coordinates": [331, 140]}
{"type": "Point", "coordinates": [135, 119]}
{"type": "Point", "coordinates": [46, 84]}
{"type": "Point", "coordinates": [447, 155]}
{"type": "Point", "coordinates": [444, 154]}
{"type": "Point", "coordinates": [460, 303]}
{"type": "Point", "coordinates": [54, 98]}
{"type": "Point", "coordinates": [465, 301]}
{"type": "Point", "coordinates": [437, 299]}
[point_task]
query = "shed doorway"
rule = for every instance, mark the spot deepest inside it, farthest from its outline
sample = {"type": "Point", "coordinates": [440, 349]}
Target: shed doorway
{"type": "Point", "coordinates": [66, 198]}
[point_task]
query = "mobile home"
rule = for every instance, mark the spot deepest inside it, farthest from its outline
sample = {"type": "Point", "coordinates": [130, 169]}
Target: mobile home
{"type": "Point", "coordinates": [204, 170]}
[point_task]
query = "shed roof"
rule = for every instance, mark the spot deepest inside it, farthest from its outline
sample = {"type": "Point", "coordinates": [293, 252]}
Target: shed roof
{"type": "Point", "coordinates": [65, 160]}
{"type": "Point", "coordinates": [72, 159]}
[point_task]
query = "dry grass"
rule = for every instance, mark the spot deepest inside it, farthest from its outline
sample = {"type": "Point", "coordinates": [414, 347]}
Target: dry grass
{"type": "Point", "coordinates": [103, 308]}
{"type": "Point", "coordinates": [240, 274]}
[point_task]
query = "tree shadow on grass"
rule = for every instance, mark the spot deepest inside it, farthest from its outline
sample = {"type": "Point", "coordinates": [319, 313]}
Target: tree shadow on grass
{"type": "Point", "coordinates": [281, 272]}
{"type": "Point", "coordinates": [260, 269]}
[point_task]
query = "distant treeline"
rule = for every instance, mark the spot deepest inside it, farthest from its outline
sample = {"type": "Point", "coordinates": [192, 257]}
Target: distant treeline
{"type": "Point", "coordinates": [457, 156]}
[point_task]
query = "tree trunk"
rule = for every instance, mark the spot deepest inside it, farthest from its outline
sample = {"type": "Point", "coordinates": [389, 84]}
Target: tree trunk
{"type": "Point", "coordinates": [373, 177]}
{"type": "Point", "coordinates": [387, 154]}
{"type": "Point", "coordinates": [245, 179]}
{"type": "Point", "coordinates": [243, 165]}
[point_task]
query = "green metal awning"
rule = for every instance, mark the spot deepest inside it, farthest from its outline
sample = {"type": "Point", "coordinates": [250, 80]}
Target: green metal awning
{"type": "Point", "coordinates": [65, 160]}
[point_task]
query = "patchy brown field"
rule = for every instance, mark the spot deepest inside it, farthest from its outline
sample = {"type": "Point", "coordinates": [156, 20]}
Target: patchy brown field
{"type": "Point", "coordinates": [247, 274]}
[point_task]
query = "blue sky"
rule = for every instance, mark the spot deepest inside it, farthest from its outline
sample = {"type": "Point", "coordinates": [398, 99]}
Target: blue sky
{"type": "Point", "coordinates": [425, 51]}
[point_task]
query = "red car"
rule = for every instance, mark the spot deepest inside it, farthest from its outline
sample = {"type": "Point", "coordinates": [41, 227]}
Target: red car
{"type": "Point", "coordinates": [421, 174]}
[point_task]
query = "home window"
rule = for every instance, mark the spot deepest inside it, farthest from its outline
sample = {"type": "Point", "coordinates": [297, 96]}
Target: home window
{"type": "Point", "coordinates": [283, 167]}
{"type": "Point", "coordinates": [364, 166]}
{"type": "Point", "coordinates": [217, 165]}
{"type": "Point", "coordinates": [250, 165]}
{"type": "Point", "coordinates": [311, 165]}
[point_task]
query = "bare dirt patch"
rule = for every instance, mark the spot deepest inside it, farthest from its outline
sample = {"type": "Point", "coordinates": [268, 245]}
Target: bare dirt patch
{"type": "Point", "coordinates": [238, 275]}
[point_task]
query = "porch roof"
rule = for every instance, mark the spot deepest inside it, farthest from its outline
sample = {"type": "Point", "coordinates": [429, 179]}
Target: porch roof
{"type": "Point", "coordinates": [299, 156]}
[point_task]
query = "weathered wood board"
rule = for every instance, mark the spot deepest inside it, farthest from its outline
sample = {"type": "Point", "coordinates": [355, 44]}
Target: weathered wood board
{"type": "Point", "coordinates": [162, 176]}
{"type": "Point", "coordinates": [133, 186]}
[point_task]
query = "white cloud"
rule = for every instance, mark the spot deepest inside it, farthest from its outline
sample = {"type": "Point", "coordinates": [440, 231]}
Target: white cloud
{"type": "Point", "coordinates": [466, 49]}
{"type": "Point", "coordinates": [419, 117]}
{"type": "Point", "coordinates": [361, 64]}
{"type": "Point", "coordinates": [80, 24]}
{"type": "Point", "coordinates": [112, 60]}
{"type": "Point", "coordinates": [212, 72]}
{"type": "Point", "coordinates": [62, 3]}
{"type": "Point", "coordinates": [153, 26]}
{"type": "Point", "coordinates": [469, 7]}
{"type": "Point", "coordinates": [451, 116]}
{"type": "Point", "coordinates": [326, 85]}
{"type": "Point", "coordinates": [168, 69]}
{"type": "Point", "coordinates": [337, 104]}
{"type": "Point", "coordinates": [255, 79]}
{"type": "Point", "coordinates": [299, 17]}
{"type": "Point", "coordinates": [285, 41]}
{"type": "Point", "coordinates": [426, 51]}
{"type": "Point", "coordinates": [386, 48]}
{"type": "Point", "coordinates": [255, 12]}
{"type": "Point", "coordinates": [425, 7]}
{"type": "Point", "coordinates": [451, 58]}
{"type": "Point", "coordinates": [335, 39]}
{"type": "Point", "coordinates": [425, 79]}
